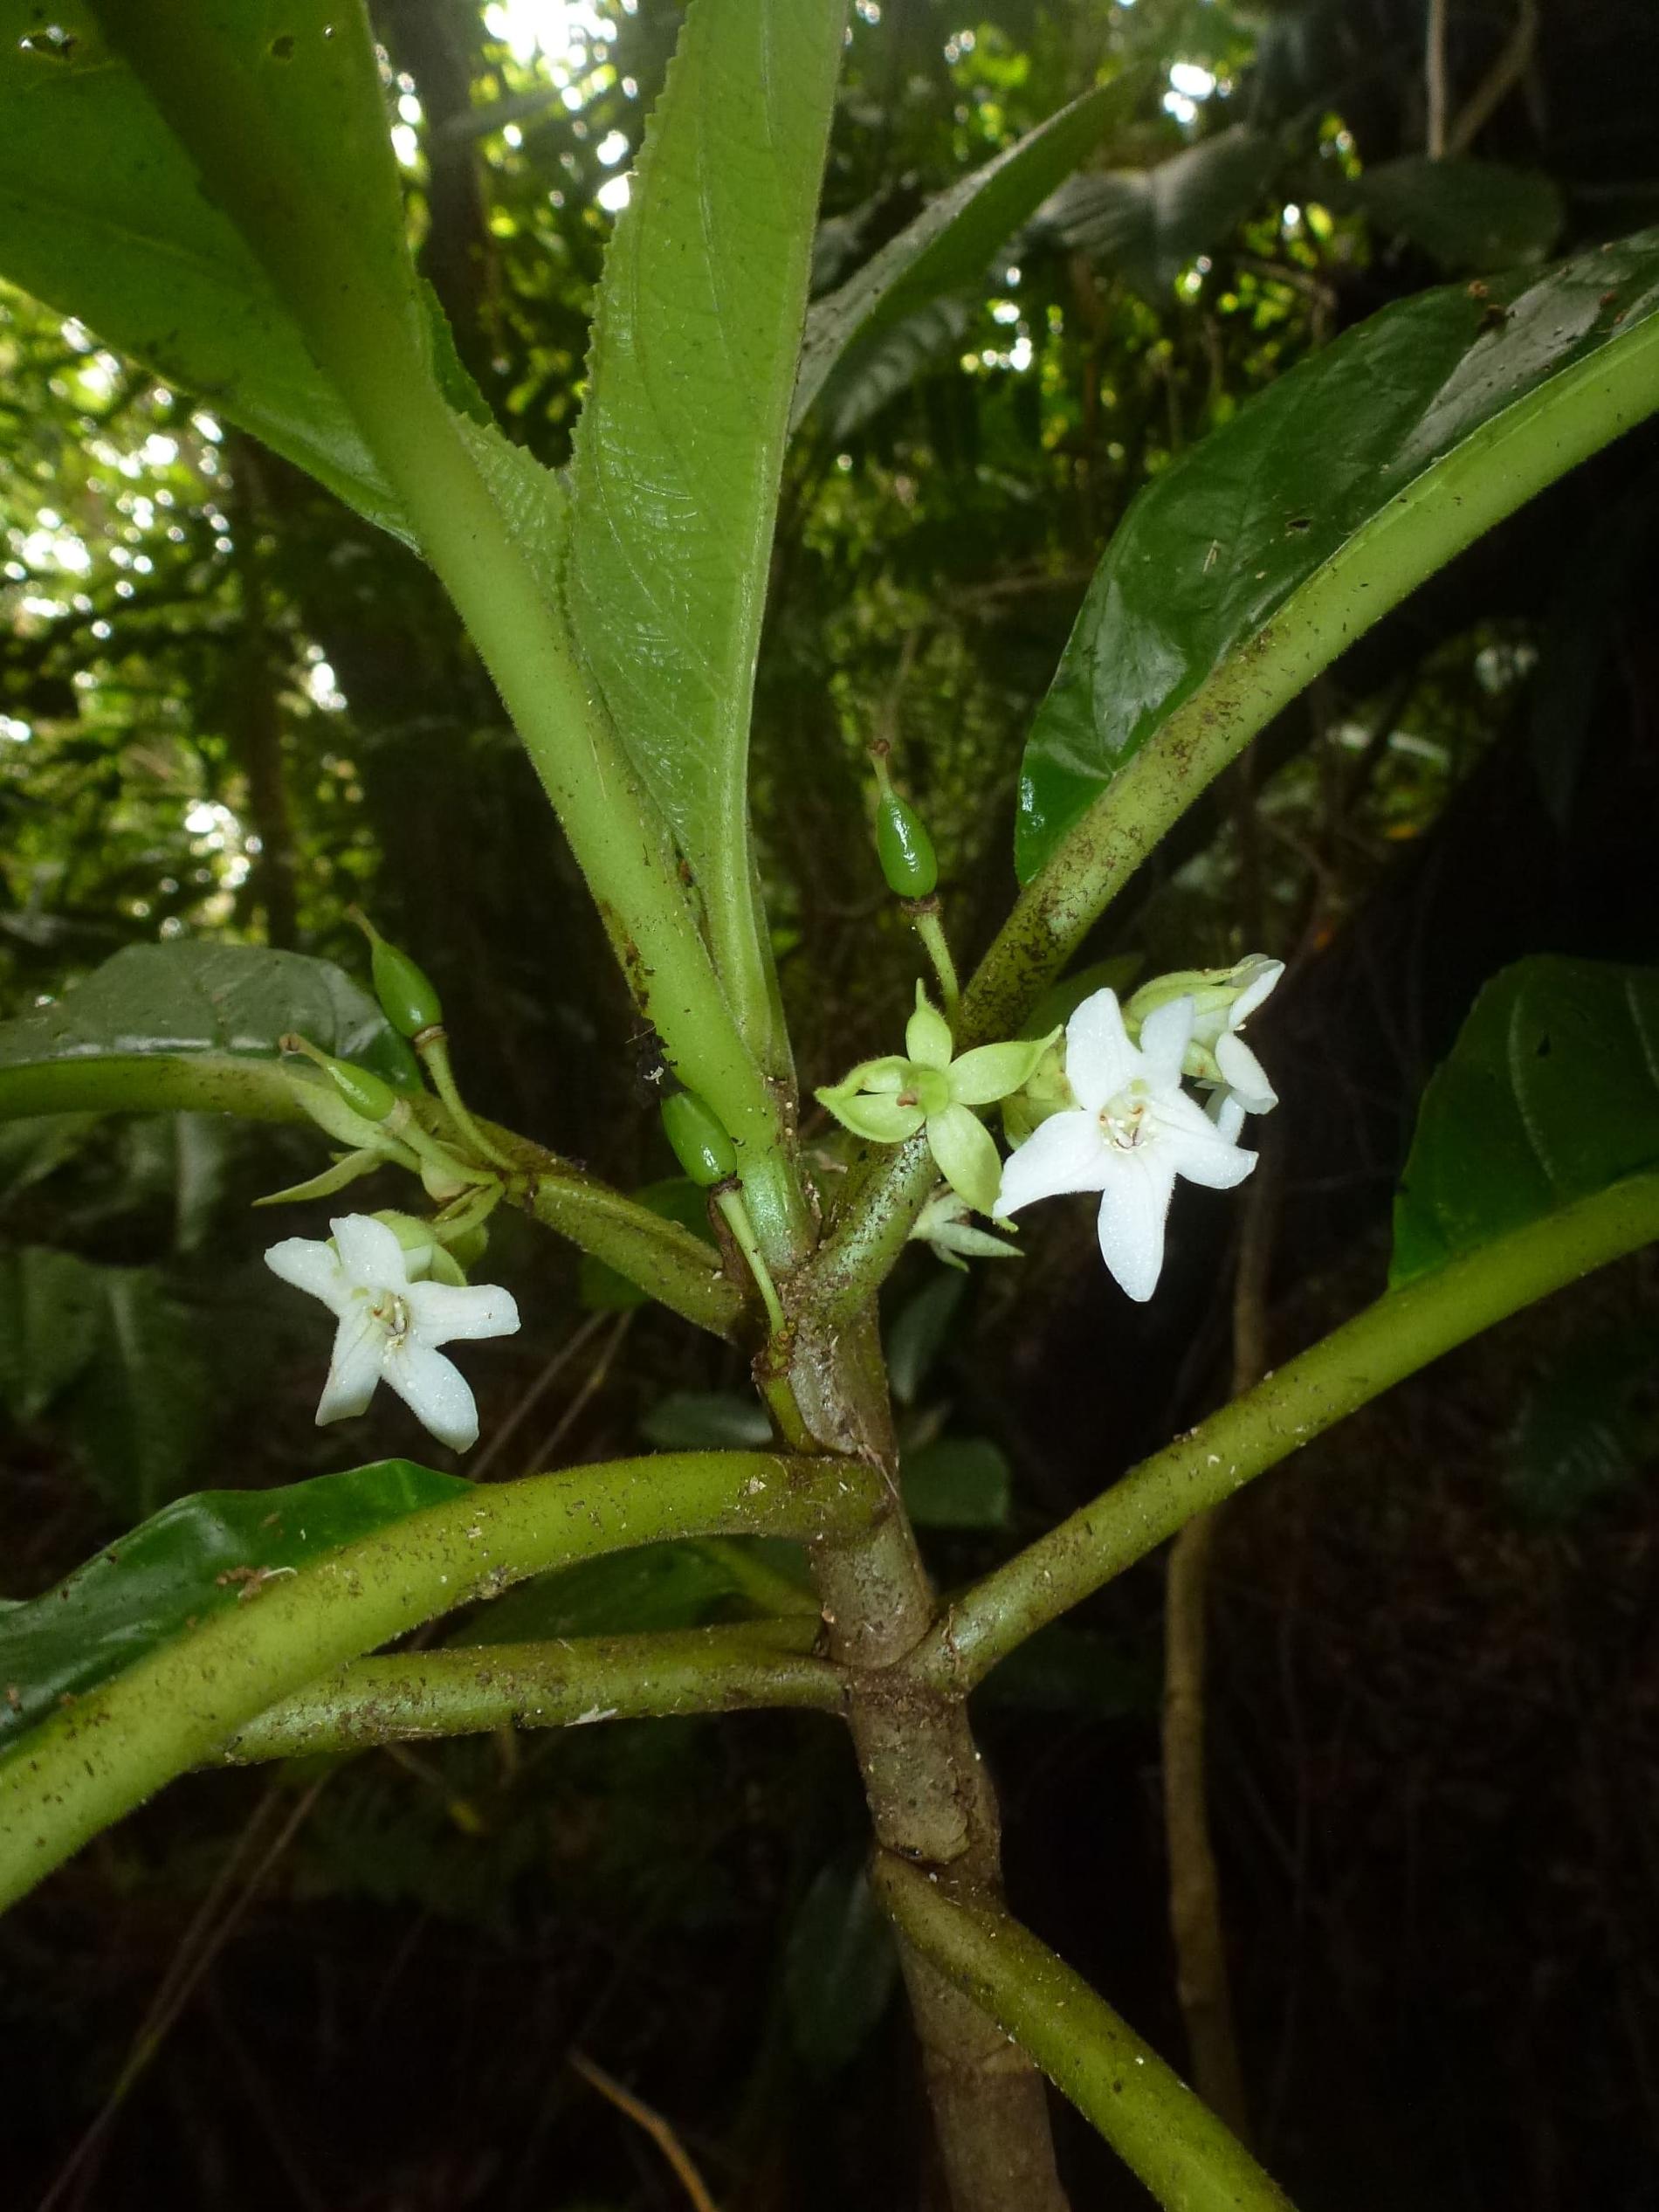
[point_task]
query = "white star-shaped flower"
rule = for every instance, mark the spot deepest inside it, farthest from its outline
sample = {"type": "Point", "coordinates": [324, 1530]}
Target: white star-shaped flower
{"type": "Point", "coordinates": [1134, 1131]}
{"type": "Point", "coordinates": [390, 1328]}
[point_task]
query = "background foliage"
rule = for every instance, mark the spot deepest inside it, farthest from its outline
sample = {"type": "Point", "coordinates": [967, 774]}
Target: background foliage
{"type": "Point", "coordinates": [229, 708]}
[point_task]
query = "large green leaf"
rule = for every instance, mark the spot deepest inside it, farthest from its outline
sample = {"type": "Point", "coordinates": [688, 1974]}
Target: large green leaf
{"type": "Point", "coordinates": [679, 449]}
{"type": "Point", "coordinates": [1191, 610]}
{"type": "Point", "coordinates": [223, 1002]}
{"type": "Point", "coordinates": [102, 216]}
{"type": "Point", "coordinates": [865, 340]}
{"type": "Point", "coordinates": [1551, 1094]}
{"type": "Point", "coordinates": [1151, 223]}
{"type": "Point", "coordinates": [195, 1559]}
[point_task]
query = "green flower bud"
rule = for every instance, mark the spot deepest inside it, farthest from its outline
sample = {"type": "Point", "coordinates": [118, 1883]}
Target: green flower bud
{"type": "Point", "coordinates": [903, 845]}
{"type": "Point", "coordinates": [700, 1144]}
{"type": "Point", "coordinates": [406, 994]}
{"type": "Point", "coordinates": [369, 1098]}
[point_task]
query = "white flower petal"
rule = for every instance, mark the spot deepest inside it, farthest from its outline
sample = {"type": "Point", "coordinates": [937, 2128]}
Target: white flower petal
{"type": "Point", "coordinates": [1263, 975]}
{"type": "Point", "coordinates": [309, 1265]}
{"type": "Point", "coordinates": [1099, 1059]}
{"type": "Point", "coordinates": [435, 1392]}
{"type": "Point", "coordinates": [1207, 1159]}
{"type": "Point", "coordinates": [1067, 1152]}
{"type": "Point", "coordinates": [354, 1368]}
{"type": "Point", "coordinates": [1165, 1035]}
{"type": "Point", "coordinates": [369, 1253]}
{"type": "Point", "coordinates": [1134, 1206]}
{"type": "Point", "coordinates": [1227, 1115]}
{"type": "Point", "coordinates": [1245, 1075]}
{"type": "Point", "coordinates": [443, 1312]}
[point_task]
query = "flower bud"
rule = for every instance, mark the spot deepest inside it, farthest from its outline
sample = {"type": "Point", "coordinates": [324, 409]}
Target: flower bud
{"type": "Point", "coordinates": [369, 1097]}
{"type": "Point", "coordinates": [406, 994]}
{"type": "Point", "coordinates": [906, 851]}
{"type": "Point", "coordinates": [701, 1145]}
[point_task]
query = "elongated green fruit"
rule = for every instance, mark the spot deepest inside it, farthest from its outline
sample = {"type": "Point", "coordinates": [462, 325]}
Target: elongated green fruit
{"type": "Point", "coordinates": [906, 851]}
{"type": "Point", "coordinates": [408, 997]}
{"type": "Point", "coordinates": [701, 1145]}
{"type": "Point", "coordinates": [363, 1090]}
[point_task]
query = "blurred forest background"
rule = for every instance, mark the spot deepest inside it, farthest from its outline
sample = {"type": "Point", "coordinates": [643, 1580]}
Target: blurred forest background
{"type": "Point", "coordinates": [228, 709]}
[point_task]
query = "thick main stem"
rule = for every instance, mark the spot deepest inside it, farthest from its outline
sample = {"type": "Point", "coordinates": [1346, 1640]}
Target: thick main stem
{"type": "Point", "coordinates": [930, 1799]}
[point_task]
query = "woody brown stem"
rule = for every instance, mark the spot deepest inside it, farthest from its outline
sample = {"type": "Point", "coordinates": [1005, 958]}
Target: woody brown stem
{"type": "Point", "coordinates": [930, 1798]}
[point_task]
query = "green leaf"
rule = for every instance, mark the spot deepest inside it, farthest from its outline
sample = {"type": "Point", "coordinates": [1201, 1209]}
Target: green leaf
{"type": "Point", "coordinates": [839, 1967]}
{"type": "Point", "coordinates": [49, 1306]}
{"type": "Point", "coordinates": [196, 1557]}
{"type": "Point", "coordinates": [1551, 1094]}
{"type": "Point", "coordinates": [919, 1333]}
{"type": "Point", "coordinates": [705, 1420]}
{"type": "Point", "coordinates": [140, 1410]}
{"type": "Point", "coordinates": [679, 449]}
{"type": "Point", "coordinates": [908, 304]}
{"type": "Point", "coordinates": [1581, 1431]}
{"type": "Point", "coordinates": [102, 216]}
{"type": "Point", "coordinates": [226, 1002]}
{"type": "Point", "coordinates": [1197, 606]}
{"type": "Point", "coordinates": [1153, 223]}
{"type": "Point", "coordinates": [1465, 214]}
{"type": "Point", "coordinates": [961, 1482]}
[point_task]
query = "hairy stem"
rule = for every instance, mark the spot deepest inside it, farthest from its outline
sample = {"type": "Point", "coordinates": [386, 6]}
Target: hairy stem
{"type": "Point", "coordinates": [1402, 1332]}
{"type": "Point", "coordinates": [1151, 2119]}
{"type": "Point", "coordinates": [749, 1665]}
{"type": "Point", "coordinates": [107, 1752]}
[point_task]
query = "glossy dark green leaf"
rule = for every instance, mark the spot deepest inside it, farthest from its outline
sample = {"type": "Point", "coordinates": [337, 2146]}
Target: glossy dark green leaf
{"type": "Point", "coordinates": [223, 1002]}
{"type": "Point", "coordinates": [867, 340]}
{"type": "Point", "coordinates": [102, 216]}
{"type": "Point", "coordinates": [659, 1585]}
{"type": "Point", "coordinates": [1464, 214]}
{"type": "Point", "coordinates": [195, 1558]}
{"type": "Point", "coordinates": [679, 449]}
{"type": "Point", "coordinates": [1211, 552]}
{"type": "Point", "coordinates": [960, 1482]}
{"type": "Point", "coordinates": [1153, 223]}
{"type": "Point", "coordinates": [839, 1967]}
{"type": "Point", "coordinates": [1583, 1428]}
{"type": "Point", "coordinates": [1551, 1094]}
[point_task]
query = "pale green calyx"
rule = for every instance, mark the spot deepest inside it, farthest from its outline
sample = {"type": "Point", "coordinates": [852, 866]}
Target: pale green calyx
{"type": "Point", "coordinates": [1223, 999]}
{"type": "Point", "coordinates": [889, 1099]}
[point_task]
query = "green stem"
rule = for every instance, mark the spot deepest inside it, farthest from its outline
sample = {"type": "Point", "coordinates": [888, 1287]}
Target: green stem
{"type": "Point", "coordinates": [434, 1049]}
{"type": "Point", "coordinates": [1402, 1332]}
{"type": "Point", "coordinates": [107, 1753]}
{"type": "Point", "coordinates": [1156, 2124]}
{"type": "Point", "coordinates": [364, 341]}
{"type": "Point", "coordinates": [926, 920]}
{"type": "Point", "coordinates": [744, 1666]}
{"type": "Point", "coordinates": [735, 1214]}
